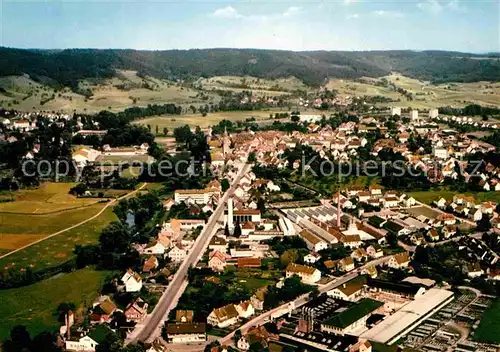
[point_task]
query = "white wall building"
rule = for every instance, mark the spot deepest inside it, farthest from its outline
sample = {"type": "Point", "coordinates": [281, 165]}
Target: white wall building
{"type": "Point", "coordinates": [395, 111]}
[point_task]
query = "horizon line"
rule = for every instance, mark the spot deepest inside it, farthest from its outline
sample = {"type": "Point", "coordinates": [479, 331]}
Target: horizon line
{"type": "Point", "coordinates": [263, 49]}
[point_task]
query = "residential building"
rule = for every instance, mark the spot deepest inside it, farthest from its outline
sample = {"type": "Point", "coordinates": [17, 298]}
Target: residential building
{"type": "Point", "coordinates": [399, 261]}
{"type": "Point", "coordinates": [217, 261]}
{"type": "Point", "coordinates": [395, 111]}
{"type": "Point", "coordinates": [132, 281]}
{"type": "Point", "coordinates": [257, 299]}
{"type": "Point", "coordinates": [178, 253]}
{"type": "Point", "coordinates": [155, 247]}
{"type": "Point", "coordinates": [308, 275]}
{"type": "Point", "coordinates": [224, 316]}
{"type": "Point", "coordinates": [414, 115]}
{"type": "Point", "coordinates": [186, 332]}
{"type": "Point", "coordinates": [311, 258]}
{"type": "Point", "coordinates": [245, 309]}
{"type": "Point", "coordinates": [375, 251]}
{"type": "Point", "coordinates": [150, 264]}
{"type": "Point", "coordinates": [350, 290]}
{"type": "Point", "coordinates": [136, 311]}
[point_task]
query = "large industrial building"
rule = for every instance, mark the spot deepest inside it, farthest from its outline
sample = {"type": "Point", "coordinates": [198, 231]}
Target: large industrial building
{"type": "Point", "coordinates": [409, 316]}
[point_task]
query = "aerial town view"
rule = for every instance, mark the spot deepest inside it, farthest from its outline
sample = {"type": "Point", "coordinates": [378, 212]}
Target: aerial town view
{"type": "Point", "coordinates": [250, 176]}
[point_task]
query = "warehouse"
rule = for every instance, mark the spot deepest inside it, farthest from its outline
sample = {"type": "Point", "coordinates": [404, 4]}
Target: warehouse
{"type": "Point", "coordinates": [409, 316]}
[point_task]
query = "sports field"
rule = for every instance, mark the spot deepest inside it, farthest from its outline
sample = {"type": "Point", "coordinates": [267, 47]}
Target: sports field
{"type": "Point", "coordinates": [34, 306]}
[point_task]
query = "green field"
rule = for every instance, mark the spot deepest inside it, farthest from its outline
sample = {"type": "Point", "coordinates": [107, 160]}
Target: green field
{"type": "Point", "coordinates": [428, 197]}
{"type": "Point", "coordinates": [489, 326]}
{"type": "Point", "coordinates": [34, 306]}
{"type": "Point", "coordinates": [47, 198]}
{"type": "Point", "coordinates": [55, 250]}
{"type": "Point", "coordinates": [199, 120]}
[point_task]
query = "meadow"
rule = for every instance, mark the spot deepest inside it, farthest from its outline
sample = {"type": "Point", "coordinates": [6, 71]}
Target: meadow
{"type": "Point", "coordinates": [488, 328]}
{"type": "Point", "coordinates": [258, 86]}
{"type": "Point", "coordinates": [115, 94]}
{"type": "Point", "coordinates": [425, 95]}
{"type": "Point", "coordinates": [199, 120]}
{"type": "Point", "coordinates": [48, 198]}
{"type": "Point", "coordinates": [52, 251]}
{"type": "Point", "coordinates": [428, 197]}
{"type": "Point", "coordinates": [34, 306]}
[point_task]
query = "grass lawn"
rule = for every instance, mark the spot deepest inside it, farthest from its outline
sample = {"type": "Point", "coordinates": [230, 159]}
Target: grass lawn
{"type": "Point", "coordinates": [430, 196]}
{"type": "Point", "coordinates": [49, 197]}
{"type": "Point", "coordinates": [489, 326]}
{"type": "Point", "coordinates": [211, 119]}
{"type": "Point", "coordinates": [34, 306]}
{"type": "Point", "coordinates": [253, 284]}
{"type": "Point", "coordinates": [58, 249]}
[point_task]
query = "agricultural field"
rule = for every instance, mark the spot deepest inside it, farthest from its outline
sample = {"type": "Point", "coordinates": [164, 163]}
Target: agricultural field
{"type": "Point", "coordinates": [258, 86]}
{"type": "Point", "coordinates": [198, 120]}
{"type": "Point", "coordinates": [115, 94]}
{"type": "Point", "coordinates": [489, 326]}
{"type": "Point", "coordinates": [52, 251]}
{"type": "Point", "coordinates": [425, 95]}
{"type": "Point", "coordinates": [48, 198]}
{"type": "Point", "coordinates": [34, 306]}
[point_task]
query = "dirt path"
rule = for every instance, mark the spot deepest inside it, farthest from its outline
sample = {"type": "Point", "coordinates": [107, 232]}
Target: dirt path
{"type": "Point", "coordinates": [76, 225]}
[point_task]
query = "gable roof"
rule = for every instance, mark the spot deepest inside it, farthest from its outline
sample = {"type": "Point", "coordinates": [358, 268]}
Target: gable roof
{"type": "Point", "coordinates": [352, 286]}
{"type": "Point", "coordinates": [354, 313]}
{"type": "Point", "coordinates": [300, 269]}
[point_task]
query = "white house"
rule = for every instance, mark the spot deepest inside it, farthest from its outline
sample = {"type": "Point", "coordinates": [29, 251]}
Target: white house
{"type": "Point", "coordinates": [476, 214]}
{"type": "Point", "coordinates": [177, 254]}
{"type": "Point", "coordinates": [155, 247]}
{"type": "Point", "coordinates": [132, 281]}
{"type": "Point", "coordinates": [311, 258]}
{"type": "Point", "coordinates": [399, 261]}
{"type": "Point", "coordinates": [224, 316]}
{"type": "Point", "coordinates": [82, 344]}
{"type": "Point", "coordinates": [308, 275]}
{"type": "Point", "coordinates": [474, 270]}
{"type": "Point", "coordinates": [217, 261]}
{"type": "Point", "coordinates": [245, 309]}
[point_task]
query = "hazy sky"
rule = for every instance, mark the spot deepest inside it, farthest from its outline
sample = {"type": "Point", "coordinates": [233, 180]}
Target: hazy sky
{"type": "Point", "coordinates": [306, 25]}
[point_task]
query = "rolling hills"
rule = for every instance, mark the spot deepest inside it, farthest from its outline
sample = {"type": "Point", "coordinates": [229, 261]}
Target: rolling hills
{"type": "Point", "coordinates": [67, 67]}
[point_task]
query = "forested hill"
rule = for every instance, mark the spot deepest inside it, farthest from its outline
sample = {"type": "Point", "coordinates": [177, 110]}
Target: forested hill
{"type": "Point", "coordinates": [66, 67]}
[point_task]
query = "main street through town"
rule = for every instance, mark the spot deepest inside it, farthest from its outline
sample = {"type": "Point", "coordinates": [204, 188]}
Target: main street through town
{"type": "Point", "coordinates": [151, 327]}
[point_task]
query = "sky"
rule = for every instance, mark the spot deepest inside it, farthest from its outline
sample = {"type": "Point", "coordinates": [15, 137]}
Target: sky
{"type": "Point", "coordinates": [469, 26]}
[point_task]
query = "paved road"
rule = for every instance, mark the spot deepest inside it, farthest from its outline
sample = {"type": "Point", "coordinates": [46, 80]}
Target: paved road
{"type": "Point", "coordinates": [301, 300]}
{"type": "Point", "coordinates": [152, 327]}
{"type": "Point", "coordinates": [76, 225]}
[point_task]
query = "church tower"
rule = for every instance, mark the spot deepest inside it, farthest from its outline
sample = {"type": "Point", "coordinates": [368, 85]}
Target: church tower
{"type": "Point", "coordinates": [226, 146]}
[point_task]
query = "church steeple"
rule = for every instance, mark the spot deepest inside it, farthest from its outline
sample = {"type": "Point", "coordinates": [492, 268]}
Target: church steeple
{"type": "Point", "coordinates": [226, 147]}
